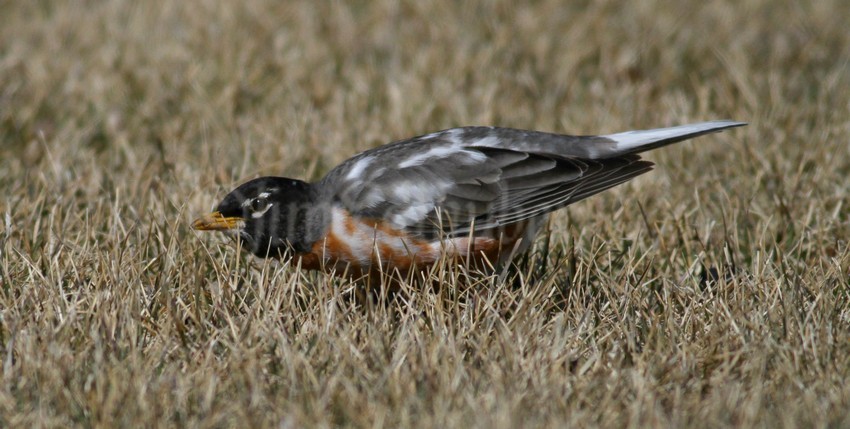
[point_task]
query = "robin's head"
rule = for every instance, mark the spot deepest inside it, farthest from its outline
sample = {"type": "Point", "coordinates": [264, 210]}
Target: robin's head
{"type": "Point", "coordinates": [268, 215]}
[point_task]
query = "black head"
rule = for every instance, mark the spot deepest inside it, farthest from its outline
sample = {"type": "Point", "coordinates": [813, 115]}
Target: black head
{"type": "Point", "coordinates": [269, 216]}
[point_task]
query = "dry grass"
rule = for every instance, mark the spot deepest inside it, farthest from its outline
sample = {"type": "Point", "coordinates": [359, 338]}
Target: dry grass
{"type": "Point", "coordinates": [121, 120]}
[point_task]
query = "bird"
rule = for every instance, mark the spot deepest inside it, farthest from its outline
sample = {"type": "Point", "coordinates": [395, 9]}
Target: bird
{"type": "Point", "coordinates": [478, 194]}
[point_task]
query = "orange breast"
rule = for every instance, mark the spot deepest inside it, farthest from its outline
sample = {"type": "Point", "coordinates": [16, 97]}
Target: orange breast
{"type": "Point", "coordinates": [364, 245]}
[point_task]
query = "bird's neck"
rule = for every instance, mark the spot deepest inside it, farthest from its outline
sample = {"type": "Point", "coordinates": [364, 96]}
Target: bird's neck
{"type": "Point", "coordinates": [309, 221]}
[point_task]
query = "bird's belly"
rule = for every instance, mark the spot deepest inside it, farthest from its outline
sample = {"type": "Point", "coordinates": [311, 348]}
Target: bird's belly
{"type": "Point", "coordinates": [364, 245]}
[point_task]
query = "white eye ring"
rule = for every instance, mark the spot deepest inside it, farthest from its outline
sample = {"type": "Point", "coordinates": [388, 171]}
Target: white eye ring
{"type": "Point", "coordinates": [259, 207]}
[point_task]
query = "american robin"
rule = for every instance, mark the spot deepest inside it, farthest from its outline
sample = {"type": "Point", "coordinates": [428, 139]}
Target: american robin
{"type": "Point", "coordinates": [472, 193]}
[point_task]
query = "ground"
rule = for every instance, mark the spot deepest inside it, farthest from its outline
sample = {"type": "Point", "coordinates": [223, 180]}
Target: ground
{"type": "Point", "coordinates": [711, 292]}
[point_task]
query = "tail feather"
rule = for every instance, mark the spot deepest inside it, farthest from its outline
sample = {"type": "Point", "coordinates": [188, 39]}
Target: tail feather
{"type": "Point", "coordinates": [631, 142]}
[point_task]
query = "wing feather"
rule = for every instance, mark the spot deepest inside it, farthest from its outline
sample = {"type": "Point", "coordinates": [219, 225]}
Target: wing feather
{"type": "Point", "coordinates": [455, 180]}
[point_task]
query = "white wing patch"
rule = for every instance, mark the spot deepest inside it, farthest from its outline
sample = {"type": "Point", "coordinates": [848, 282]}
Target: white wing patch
{"type": "Point", "coordinates": [473, 157]}
{"type": "Point", "coordinates": [412, 191]}
{"type": "Point", "coordinates": [434, 152]}
{"type": "Point", "coordinates": [469, 157]}
{"type": "Point", "coordinates": [412, 214]}
{"type": "Point", "coordinates": [372, 198]}
{"type": "Point", "coordinates": [432, 135]}
{"type": "Point", "coordinates": [419, 200]}
{"type": "Point", "coordinates": [359, 167]}
{"type": "Point", "coordinates": [489, 141]}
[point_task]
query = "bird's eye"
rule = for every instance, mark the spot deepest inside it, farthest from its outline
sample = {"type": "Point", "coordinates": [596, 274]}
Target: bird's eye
{"type": "Point", "coordinates": [259, 205]}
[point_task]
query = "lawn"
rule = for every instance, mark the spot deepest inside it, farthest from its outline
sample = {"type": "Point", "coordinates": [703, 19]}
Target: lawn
{"type": "Point", "coordinates": [711, 292]}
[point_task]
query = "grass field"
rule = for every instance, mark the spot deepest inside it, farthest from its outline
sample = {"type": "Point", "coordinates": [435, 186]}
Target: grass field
{"type": "Point", "coordinates": [712, 292]}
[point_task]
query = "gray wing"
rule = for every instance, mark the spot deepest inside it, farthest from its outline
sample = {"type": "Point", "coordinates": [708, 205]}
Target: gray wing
{"type": "Point", "coordinates": [483, 178]}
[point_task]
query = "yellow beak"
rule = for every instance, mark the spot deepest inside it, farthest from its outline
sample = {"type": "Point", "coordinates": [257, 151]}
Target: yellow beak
{"type": "Point", "coordinates": [215, 222]}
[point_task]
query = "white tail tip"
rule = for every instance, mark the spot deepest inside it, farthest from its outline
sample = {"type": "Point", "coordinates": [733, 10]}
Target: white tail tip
{"type": "Point", "coordinates": [633, 141]}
